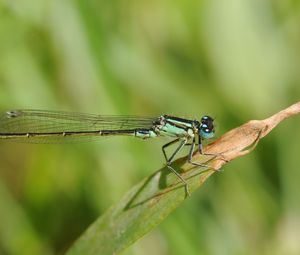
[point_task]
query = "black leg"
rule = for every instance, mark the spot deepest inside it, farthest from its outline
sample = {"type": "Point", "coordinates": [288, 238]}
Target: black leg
{"type": "Point", "coordinates": [183, 142]}
{"type": "Point", "coordinates": [200, 149]}
{"type": "Point", "coordinates": [191, 153]}
{"type": "Point", "coordinates": [169, 161]}
{"type": "Point", "coordinates": [167, 145]}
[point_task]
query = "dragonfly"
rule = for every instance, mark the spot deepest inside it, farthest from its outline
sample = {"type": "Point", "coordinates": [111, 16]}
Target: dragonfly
{"type": "Point", "coordinates": [40, 126]}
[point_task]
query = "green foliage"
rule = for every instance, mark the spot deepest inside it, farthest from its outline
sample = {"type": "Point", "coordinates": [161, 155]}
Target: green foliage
{"type": "Point", "coordinates": [139, 211]}
{"type": "Point", "coordinates": [236, 60]}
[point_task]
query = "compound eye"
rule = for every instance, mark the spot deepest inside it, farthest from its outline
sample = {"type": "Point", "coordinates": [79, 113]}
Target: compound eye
{"type": "Point", "coordinates": [204, 127]}
{"type": "Point", "coordinates": [206, 118]}
{"type": "Point", "coordinates": [207, 127]}
{"type": "Point", "coordinates": [206, 133]}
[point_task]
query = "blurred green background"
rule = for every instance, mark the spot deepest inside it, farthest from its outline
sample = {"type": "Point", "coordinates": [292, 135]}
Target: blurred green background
{"type": "Point", "coordinates": [235, 60]}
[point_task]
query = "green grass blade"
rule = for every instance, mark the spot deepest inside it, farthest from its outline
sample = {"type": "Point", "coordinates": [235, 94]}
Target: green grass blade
{"type": "Point", "coordinates": [152, 200]}
{"type": "Point", "coordinates": [139, 211]}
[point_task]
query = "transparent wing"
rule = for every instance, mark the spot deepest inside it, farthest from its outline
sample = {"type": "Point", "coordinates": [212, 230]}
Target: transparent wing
{"type": "Point", "coordinates": [46, 122]}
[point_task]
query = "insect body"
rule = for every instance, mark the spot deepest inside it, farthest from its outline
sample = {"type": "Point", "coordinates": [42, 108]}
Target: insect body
{"type": "Point", "coordinates": [37, 126]}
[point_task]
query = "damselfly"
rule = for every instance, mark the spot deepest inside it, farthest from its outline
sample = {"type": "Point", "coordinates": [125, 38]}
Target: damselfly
{"type": "Point", "coordinates": [36, 126]}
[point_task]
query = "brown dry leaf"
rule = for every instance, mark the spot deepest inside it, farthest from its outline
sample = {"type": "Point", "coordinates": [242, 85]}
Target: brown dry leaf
{"type": "Point", "coordinates": [243, 139]}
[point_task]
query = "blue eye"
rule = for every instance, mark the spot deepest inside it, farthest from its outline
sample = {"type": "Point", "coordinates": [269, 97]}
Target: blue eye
{"type": "Point", "coordinates": [206, 129]}
{"type": "Point", "coordinates": [206, 133]}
